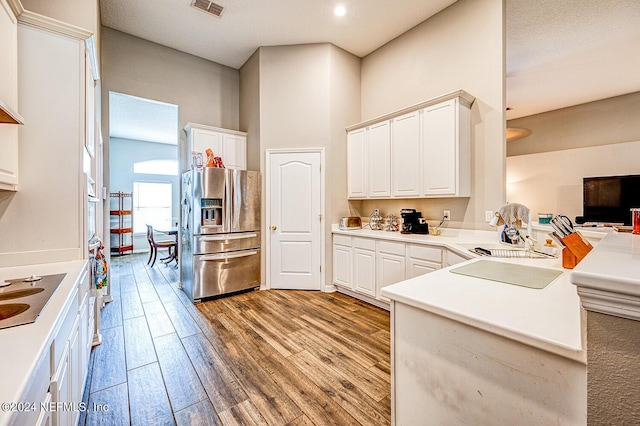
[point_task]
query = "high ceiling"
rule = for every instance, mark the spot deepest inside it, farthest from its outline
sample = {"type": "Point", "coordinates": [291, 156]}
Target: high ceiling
{"type": "Point", "coordinates": [246, 25]}
{"type": "Point", "coordinates": [559, 53]}
{"type": "Point", "coordinates": [562, 53]}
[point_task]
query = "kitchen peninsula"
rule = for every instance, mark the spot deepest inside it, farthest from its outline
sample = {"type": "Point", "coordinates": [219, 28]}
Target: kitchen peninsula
{"type": "Point", "coordinates": [467, 350]}
{"type": "Point", "coordinates": [44, 364]}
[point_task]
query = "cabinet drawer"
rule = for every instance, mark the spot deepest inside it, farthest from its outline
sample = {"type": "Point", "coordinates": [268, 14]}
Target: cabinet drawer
{"type": "Point", "coordinates": [425, 253]}
{"type": "Point", "coordinates": [342, 240]}
{"type": "Point", "coordinates": [364, 243]}
{"type": "Point", "coordinates": [83, 287]}
{"type": "Point", "coordinates": [392, 248]}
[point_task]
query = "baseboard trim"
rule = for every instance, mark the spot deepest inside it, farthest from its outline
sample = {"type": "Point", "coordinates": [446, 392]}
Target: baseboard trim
{"type": "Point", "coordinates": [363, 297]}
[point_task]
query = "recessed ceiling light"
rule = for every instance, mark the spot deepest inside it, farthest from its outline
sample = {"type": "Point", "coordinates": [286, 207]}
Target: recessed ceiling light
{"type": "Point", "coordinates": [339, 11]}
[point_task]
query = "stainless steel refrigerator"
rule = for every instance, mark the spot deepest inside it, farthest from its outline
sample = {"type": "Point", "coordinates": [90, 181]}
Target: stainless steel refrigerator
{"type": "Point", "coordinates": [219, 232]}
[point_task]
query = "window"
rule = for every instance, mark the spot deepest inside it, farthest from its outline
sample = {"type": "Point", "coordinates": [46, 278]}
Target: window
{"type": "Point", "coordinates": [151, 205]}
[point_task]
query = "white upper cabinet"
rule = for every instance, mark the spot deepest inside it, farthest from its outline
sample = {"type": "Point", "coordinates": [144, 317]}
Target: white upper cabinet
{"type": "Point", "coordinates": [234, 148]}
{"type": "Point", "coordinates": [446, 150]}
{"type": "Point", "coordinates": [420, 151]}
{"type": "Point", "coordinates": [369, 170]}
{"type": "Point", "coordinates": [8, 97]}
{"type": "Point", "coordinates": [357, 158]}
{"type": "Point", "coordinates": [405, 155]}
{"type": "Point", "coordinates": [230, 145]}
{"type": "Point", "coordinates": [379, 136]}
{"type": "Point", "coordinates": [203, 139]}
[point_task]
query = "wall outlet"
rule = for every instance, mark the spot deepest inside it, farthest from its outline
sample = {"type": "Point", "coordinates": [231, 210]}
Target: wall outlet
{"type": "Point", "coordinates": [447, 215]}
{"type": "Point", "coordinates": [488, 215]}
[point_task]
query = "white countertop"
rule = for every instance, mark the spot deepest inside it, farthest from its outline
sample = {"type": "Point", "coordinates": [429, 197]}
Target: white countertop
{"type": "Point", "coordinates": [549, 319]}
{"type": "Point", "coordinates": [608, 279]}
{"type": "Point", "coordinates": [22, 346]}
{"type": "Point", "coordinates": [450, 238]}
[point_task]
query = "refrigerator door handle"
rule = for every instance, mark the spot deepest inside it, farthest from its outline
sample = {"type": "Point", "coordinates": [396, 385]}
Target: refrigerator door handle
{"type": "Point", "coordinates": [224, 256]}
{"type": "Point", "coordinates": [237, 199]}
{"type": "Point", "coordinates": [229, 194]}
{"type": "Point", "coordinates": [226, 237]}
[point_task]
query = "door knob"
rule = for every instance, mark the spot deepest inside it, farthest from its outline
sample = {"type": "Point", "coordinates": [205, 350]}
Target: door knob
{"type": "Point", "coordinates": [273, 227]}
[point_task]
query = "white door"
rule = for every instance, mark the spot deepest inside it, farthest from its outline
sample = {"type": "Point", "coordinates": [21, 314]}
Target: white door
{"type": "Point", "coordinates": [294, 210]}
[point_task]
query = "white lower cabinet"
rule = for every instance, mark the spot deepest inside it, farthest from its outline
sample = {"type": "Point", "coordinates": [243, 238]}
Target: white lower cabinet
{"type": "Point", "coordinates": [422, 260]}
{"type": "Point", "coordinates": [44, 419]}
{"type": "Point", "coordinates": [60, 390]}
{"type": "Point", "coordinates": [364, 266]}
{"type": "Point", "coordinates": [57, 381]}
{"type": "Point", "coordinates": [451, 258]}
{"type": "Point", "coordinates": [391, 265]}
{"type": "Point", "coordinates": [75, 373]}
{"type": "Point", "coordinates": [342, 260]}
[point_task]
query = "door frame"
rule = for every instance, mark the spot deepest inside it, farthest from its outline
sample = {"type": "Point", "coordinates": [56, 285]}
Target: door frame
{"type": "Point", "coordinates": [267, 206]}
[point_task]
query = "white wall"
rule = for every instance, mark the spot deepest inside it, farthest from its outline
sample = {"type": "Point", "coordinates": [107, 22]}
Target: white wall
{"type": "Point", "coordinates": [608, 121]}
{"type": "Point", "coordinates": [205, 92]}
{"type": "Point", "coordinates": [124, 154]}
{"type": "Point", "coordinates": [551, 182]}
{"type": "Point", "coordinates": [42, 222]}
{"type": "Point", "coordinates": [461, 47]}
{"type": "Point", "coordinates": [250, 108]}
{"type": "Point", "coordinates": [545, 169]}
{"type": "Point", "coordinates": [307, 95]}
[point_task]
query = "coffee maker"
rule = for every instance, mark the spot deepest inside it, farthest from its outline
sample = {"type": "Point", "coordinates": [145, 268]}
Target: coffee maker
{"type": "Point", "coordinates": [412, 222]}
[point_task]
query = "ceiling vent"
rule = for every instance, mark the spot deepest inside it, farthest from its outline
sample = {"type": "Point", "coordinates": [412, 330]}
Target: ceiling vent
{"type": "Point", "coordinates": [208, 6]}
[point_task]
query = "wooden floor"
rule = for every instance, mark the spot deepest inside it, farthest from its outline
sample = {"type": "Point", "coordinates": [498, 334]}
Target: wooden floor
{"type": "Point", "coordinates": [264, 357]}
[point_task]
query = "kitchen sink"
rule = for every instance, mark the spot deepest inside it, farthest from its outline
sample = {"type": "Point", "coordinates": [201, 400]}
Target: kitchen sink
{"type": "Point", "coordinates": [15, 294]}
{"type": "Point", "coordinates": [504, 251]}
{"type": "Point", "coordinates": [12, 309]}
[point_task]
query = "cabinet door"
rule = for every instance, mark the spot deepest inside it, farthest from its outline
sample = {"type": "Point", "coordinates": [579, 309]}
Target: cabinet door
{"type": "Point", "coordinates": [234, 151]}
{"type": "Point", "coordinates": [202, 139]}
{"type": "Point", "coordinates": [452, 258]}
{"type": "Point", "coordinates": [405, 155]}
{"type": "Point", "coordinates": [342, 265]}
{"type": "Point", "coordinates": [416, 267]}
{"type": "Point", "coordinates": [440, 149]}
{"type": "Point", "coordinates": [85, 339]}
{"type": "Point", "coordinates": [44, 419]}
{"type": "Point", "coordinates": [357, 158]}
{"type": "Point", "coordinates": [75, 373]}
{"type": "Point", "coordinates": [8, 95]}
{"type": "Point", "coordinates": [60, 388]}
{"type": "Point", "coordinates": [391, 270]}
{"type": "Point", "coordinates": [364, 271]}
{"type": "Point", "coordinates": [379, 146]}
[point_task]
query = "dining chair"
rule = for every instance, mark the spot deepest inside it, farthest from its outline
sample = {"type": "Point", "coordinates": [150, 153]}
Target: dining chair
{"type": "Point", "coordinates": [155, 245]}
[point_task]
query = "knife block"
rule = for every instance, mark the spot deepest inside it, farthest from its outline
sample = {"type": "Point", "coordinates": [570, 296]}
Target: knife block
{"type": "Point", "coordinates": [576, 248]}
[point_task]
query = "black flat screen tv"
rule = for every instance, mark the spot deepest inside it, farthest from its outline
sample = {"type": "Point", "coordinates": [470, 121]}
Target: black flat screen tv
{"type": "Point", "coordinates": [609, 198]}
